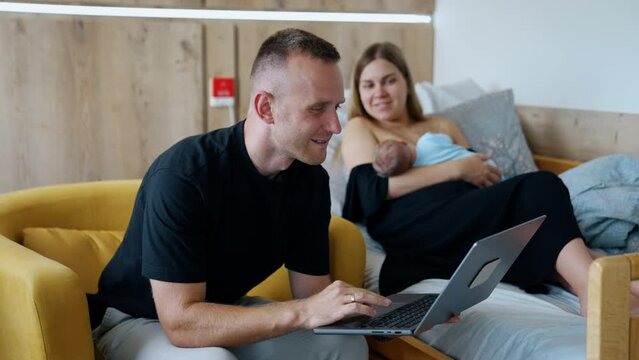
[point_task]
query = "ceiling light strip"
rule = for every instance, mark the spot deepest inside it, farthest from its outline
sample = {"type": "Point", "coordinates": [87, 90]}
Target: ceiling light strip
{"type": "Point", "coordinates": [211, 14]}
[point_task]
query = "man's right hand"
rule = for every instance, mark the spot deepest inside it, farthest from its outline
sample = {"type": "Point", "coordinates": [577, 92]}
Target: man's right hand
{"type": "Point", "coordinates": [337, 301]}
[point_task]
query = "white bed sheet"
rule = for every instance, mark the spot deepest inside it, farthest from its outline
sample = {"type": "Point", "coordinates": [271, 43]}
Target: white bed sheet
{"type": "Point", "coordinates": [510, 324]}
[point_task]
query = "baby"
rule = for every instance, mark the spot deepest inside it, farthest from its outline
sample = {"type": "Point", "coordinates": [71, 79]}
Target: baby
{"type": "Point", "coordinates": [393, 157]}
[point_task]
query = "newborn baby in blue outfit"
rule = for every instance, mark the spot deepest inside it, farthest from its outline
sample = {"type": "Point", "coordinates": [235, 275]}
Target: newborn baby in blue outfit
{"type": "Point", "coordinates": [393, 157]}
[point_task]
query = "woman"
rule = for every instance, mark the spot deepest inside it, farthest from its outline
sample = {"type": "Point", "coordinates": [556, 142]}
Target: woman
{"type": "Point", "coordinates": [428, 217]}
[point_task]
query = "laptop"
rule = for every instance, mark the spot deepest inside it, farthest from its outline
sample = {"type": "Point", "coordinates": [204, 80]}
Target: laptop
{"type": "Point", "coordinates": [473, 281]}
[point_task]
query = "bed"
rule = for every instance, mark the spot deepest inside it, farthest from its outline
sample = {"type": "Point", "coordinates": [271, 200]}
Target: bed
{"type": "Point", "coordinates": [514, 325]}
{"type": "Point", "coordinates": [510, 324]}
{"type": "Point", "coordinates": [133, 95]}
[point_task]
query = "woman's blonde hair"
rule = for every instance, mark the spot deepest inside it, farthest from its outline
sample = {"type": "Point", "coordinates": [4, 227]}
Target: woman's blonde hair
{"type": "Point", "coordinates": [391, 53]}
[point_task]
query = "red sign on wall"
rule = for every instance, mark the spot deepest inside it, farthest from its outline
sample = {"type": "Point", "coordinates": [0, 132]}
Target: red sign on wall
{"type": "Point", "coordinates": [222, 91]}
{"type": "Point", "coordinates": [223, 87]}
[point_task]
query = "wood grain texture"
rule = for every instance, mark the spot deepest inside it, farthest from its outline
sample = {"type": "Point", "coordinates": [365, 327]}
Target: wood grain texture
{"type": "Point", "coordinates": [579, 134]}
{"type": "Point", "coordinates": [634, 321]}
{"type": "Point", "coordinates": [633, 339]}
{"type": "Point", "coordinates": [349, 39]}
{"type": "Point", "coordinates": [90, 98]}
{"type": "Point", "coordinates": [137, 3]}
{"type": "Point", "coordinates": [608, 309]}
{"type": "Point", "coordinates": [221, 59]}
{"type": "Point", "coordinates": [555, 165]}
{"type": "Point", "coordinates": [403, 348]}
{"type": "Point", "coordinates": [376, 6]}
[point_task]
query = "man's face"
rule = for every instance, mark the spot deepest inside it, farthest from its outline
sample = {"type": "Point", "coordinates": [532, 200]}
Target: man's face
{"type": "Point", "coordinates": [305, 110]}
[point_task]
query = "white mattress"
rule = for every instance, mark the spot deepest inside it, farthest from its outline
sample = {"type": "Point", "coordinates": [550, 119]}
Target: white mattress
{"type": "Point", "coordinates": [510, 324]}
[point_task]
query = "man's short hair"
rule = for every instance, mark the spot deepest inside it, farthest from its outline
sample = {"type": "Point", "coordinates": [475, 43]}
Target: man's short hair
{"type": "Point", "coordinates": [275, 50]}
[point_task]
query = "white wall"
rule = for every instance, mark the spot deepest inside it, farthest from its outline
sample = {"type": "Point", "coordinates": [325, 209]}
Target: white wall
{"type": "Point", "coordinates": [555, 53]}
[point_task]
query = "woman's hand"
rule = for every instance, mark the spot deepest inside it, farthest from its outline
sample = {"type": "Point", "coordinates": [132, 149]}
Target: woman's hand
{"type": "Point", "coordinates": [476, 171]}
{"type": "Point", "coordinates": [337, 301]}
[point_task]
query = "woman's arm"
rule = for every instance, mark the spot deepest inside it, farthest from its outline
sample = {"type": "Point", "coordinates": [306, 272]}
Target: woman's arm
{"type": "Point", "coordinates": [358, 143]}
{"type": "Point", "coordinates": [479, 174]}
{"type": "Point", "coordinates": [358, 147]}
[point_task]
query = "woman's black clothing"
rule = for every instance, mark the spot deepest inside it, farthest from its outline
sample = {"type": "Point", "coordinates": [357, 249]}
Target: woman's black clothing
{"type": "Point", "coordinates": [427, 233]}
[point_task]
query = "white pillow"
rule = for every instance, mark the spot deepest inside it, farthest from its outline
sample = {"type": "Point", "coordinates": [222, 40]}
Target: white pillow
{"type": "Point", "coordinates": [334, 164]}
{"type": "Point", "coordinates": [438, 98]}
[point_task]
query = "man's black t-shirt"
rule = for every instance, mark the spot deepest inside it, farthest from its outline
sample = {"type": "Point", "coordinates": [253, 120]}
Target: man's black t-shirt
{"type": "Point", "coordinates": [204, 214]}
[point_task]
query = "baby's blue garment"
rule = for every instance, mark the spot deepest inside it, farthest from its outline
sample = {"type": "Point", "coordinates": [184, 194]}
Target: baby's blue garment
{"type": "Point", "coordinates": [433, 148]}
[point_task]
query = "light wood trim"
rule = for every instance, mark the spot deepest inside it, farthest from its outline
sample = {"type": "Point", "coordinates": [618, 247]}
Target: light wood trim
{"type": "Point", "coordinates": [404, 348]}
{"type": "Point", "coordinates": [378, 6]}
{"type": "Point", "coordinates": [608, 308]}
{"type": "Point", "coordinates": [554, 164]}
{"type": "Point", "coordinates": [183, 4]}
{"type": "Point", "coordinates": [634, 322]}
{"type": "Point", "coordinates": [634, 263]}
{"type": "Point", "coordinates": [579, 134]}
{"type": "Point", "coordinates": [634, 339]}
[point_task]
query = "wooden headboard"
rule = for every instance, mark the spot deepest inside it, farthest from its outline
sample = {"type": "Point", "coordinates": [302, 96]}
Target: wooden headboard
{"type": "Point", "coordinates": [579, 134]}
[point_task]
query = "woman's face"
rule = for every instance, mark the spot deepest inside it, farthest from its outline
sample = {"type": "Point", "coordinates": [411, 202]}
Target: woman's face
{"type": "Point", "coordinates": [383, 91]}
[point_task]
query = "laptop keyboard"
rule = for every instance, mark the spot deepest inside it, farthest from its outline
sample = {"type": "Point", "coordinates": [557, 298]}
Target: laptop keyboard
{"type": "Point", "coordinates": [405, 316]}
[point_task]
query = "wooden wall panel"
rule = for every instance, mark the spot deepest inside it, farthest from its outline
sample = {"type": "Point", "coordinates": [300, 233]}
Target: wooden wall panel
{"type": "Point", "coordinates": [579, 134]}
{"type": "Point", "coordinates": [381, 6]}
{"type": "Point", "coordinates": [378, 6]}
{"type": "Point", "coordinates": [138, 3]}
{"type": "Point", "coordinates": [350, 39]}
{"type": "Point", "coordinates": [220, 49]}
{"type": "Point", "coordinates": [93, 98]}
{"type": "Point", "coordinates": [90, 98]}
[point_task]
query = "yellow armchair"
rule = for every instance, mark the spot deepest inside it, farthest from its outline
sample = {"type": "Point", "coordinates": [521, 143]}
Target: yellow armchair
{"type": "Point", "coordinates": [43, 308]}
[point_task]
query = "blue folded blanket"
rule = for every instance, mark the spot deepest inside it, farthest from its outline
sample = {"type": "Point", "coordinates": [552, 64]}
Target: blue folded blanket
{"type": "Point", "coordinates": [605, 196]}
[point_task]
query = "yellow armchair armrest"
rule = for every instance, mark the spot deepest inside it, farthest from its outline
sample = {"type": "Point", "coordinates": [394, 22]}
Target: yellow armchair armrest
{"type": "Point", "coordinates": [347, 251]}
{"type": "Point", "coordinates": [40, 301]}
{"type": "Point", "coordinates": [347, 257]}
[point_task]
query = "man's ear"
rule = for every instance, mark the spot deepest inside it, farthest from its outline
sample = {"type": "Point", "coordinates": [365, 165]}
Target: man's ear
{"type": "Point", "coordinates": [263, 106]}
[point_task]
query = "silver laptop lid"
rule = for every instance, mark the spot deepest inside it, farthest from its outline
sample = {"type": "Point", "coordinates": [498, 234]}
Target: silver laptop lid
{"type": "Point", "coordinates": [480, 271]}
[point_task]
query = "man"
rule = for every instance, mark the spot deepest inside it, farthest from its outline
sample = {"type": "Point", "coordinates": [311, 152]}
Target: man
{"type": "Point", "coordinates": [217, 213]}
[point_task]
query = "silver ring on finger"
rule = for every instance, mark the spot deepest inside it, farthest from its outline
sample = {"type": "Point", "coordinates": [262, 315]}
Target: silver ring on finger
{"type": "Point", "coordinates": [351, 298]}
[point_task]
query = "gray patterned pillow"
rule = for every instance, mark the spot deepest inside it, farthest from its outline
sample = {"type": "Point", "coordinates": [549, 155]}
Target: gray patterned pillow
{"type": "Point", "coordinates": [491, 126]}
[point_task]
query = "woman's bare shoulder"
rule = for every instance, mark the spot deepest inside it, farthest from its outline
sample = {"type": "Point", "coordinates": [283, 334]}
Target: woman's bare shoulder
{"type": "Point", "coordinates": [439, 120]}
{"type": "Point", "coordinates": [441, 124]}
{"type": "Point", "coordinates": [445, 125]}
{"type": "Point", "coordinates": [358, 124]}
{"type": "Point", "coordinates": [358, 121]}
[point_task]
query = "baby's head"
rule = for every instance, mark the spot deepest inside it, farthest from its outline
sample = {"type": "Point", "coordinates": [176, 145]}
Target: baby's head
{"type": "Point", "coordinates": [392, 157]}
